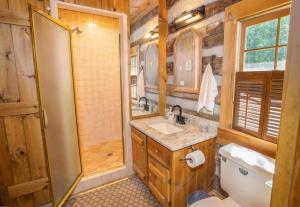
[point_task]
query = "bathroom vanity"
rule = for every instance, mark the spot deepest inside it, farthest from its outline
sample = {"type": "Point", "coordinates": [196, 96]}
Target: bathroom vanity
{"type": "Point", "coordinates": [159, 149]}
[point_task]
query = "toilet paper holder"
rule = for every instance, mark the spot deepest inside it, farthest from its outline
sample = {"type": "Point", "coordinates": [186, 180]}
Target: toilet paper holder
{"type": "Point", "coordinates": [193, 149]}
{"type": "Point", "coordinates": [185, 159]}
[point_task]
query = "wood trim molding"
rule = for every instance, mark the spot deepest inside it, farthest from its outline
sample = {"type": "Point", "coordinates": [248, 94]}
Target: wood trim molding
{"type": "Point", "coordinates": [19, 108]}
{"type": "Point", "coordinates": [286, 185]}
{"type": "Point", "coordinates": [14, 17]}
{"type": "Point", "coordinates": [162, 53]}
{"type": "Point", "coordinates": [226, 136]}
{"type": "Point", "coordinates": [247, 8]}
{"type": "Point", "coordinates": [18, 190]}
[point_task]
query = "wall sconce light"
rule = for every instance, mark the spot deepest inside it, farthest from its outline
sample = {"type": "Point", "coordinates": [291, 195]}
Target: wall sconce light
{"type": "Point", "coordinates": [152, 34]}
{"type": "Point", "coordinates": [188, 18]}
{"type": "Point", "coordinates": [148, 35]}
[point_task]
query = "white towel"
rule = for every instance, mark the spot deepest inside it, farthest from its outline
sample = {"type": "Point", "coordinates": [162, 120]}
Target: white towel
{"type": "Point", "coordinates": [140, 85]}
{"type": "Point", "coordinates": [208, 91]}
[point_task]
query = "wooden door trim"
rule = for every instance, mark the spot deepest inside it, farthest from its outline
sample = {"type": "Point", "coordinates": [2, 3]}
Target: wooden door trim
{"type": "Point", "coordinates": [19, 190]}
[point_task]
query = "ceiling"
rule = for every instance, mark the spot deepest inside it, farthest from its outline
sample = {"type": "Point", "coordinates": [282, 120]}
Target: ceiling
{"type": "Point", "coordinates": [138, 8]}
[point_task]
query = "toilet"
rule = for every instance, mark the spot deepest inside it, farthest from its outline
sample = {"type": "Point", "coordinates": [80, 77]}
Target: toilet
{"type": "Point", "coordinates": [246, 176]}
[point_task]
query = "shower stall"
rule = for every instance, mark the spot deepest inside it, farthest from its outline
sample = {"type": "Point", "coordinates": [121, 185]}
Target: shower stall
{"type": "Point", "coordinates": [82, 71]}
{"type": "Point", "coordinates": [97, 81]}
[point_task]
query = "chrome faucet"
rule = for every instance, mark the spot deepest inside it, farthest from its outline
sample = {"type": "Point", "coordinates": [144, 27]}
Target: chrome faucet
{"type": "Point", "coordinates": [179, 118]}
{"type": "Point", "coordinates": [146, 106]}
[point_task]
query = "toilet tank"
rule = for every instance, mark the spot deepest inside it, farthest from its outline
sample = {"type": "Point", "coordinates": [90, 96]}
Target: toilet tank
{"type": "Point", "coordinates": [246, 175]}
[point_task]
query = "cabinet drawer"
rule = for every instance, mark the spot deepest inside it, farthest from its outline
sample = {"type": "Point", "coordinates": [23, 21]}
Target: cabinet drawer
{"type": "Point", "coordinates": [158, 152]}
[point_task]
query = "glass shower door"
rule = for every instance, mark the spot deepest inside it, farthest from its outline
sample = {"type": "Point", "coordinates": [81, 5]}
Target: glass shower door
{"type": "Point", "coordinates": [52, 47]}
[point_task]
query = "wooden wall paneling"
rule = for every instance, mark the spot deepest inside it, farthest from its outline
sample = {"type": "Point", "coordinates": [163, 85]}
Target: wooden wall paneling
{"type": "Point", "coordinates": [38, 4]}
{"type": "Point", "coordinates": [24, 63]}
{"type": "Point", "coordinates": [12, 17]}
{"type": "Point", "coordinates": [112, 5]}
{"type": "Point", "coordinates": [90, 3]}
{"type": "Point", "coordinates": [17, 108]}
{"type": "Point", "coordinates": [162, 52]}
{"type": "Point", "coordinates": [3, 4]}
{"type": "Point", "coordinates": [19, 155]}
{"type": "Point", "coordinates": [107, 4]}
{"type": "Point", "coordinates": [31, 186]}
{"type": "Point", "coordinates": [36, 156]}
{"type": "Point", "coordinates": [6, 175]}
{"type": "Point", "coordinates": [8, 85]}
{"type": "Point", "coordinates": [18, 5]}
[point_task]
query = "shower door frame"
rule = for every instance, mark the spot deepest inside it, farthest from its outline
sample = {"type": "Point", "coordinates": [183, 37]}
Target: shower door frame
{"type": "Point", "coordinates": [96, 180]}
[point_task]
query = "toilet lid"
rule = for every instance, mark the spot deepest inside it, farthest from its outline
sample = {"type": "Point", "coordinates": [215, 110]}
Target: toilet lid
{"type": "Point", "coordinates": [215, 202]}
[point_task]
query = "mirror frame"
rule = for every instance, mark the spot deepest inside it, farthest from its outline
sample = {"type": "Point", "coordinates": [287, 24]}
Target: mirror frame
{"type": "Point", "coordinates": [162, 63]}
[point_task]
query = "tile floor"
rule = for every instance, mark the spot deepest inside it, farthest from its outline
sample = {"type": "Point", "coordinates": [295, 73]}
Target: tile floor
{"type": "Point", "coordinates": [130, 193]}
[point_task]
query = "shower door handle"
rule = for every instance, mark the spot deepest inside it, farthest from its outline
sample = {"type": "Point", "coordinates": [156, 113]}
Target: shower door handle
{"type": "Point", "coordinates": [45, 119]}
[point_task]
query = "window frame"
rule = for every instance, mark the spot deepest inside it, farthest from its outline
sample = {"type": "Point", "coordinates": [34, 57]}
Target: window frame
{"type": "Point", "coordinates": [261, 134]}
{"type": "Point", "coordinates": [258, 20]}
{"type": "Point", "coordinates": [234, 15]}
{"type": "Point", "coordinates": [134, 52]}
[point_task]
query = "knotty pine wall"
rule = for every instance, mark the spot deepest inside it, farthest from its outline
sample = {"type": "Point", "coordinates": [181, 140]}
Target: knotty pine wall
{"type": "Point", "coordinates": [23, 174]}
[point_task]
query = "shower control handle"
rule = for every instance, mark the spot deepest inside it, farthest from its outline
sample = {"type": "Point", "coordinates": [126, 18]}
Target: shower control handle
{"type": "Point", "coordinates": [45, 118]}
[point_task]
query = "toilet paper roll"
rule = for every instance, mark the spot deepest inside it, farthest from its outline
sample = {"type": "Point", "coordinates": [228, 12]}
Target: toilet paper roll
{"type": "Point", "coordinates": [195, 158]}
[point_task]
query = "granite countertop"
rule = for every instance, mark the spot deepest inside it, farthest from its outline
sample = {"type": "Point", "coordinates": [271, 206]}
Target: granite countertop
{"type": "Point", "coordinates": [191, 134]}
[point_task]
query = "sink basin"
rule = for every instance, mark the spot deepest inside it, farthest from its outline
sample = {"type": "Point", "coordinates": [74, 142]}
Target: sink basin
{"type": "Point", "coordinates": [166, 128]}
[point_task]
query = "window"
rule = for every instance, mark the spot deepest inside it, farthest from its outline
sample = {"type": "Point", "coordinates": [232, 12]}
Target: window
{"type": "Point", "coordinates": [259, 83]}
{"type": "Point", "coordinates": [133, 74]}
{"type": "Point", "coordinates": [264, 42]}
{"type": "Point", "coordinates": [188, 62]}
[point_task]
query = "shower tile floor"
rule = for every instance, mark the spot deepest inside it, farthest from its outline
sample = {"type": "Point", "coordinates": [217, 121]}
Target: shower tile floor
{"type": "Point", "coordinates": [130, 193]}
{"type": "Point", "coordinates": [102, 157]}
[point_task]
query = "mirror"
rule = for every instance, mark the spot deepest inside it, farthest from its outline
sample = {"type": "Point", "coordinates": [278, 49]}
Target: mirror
{"type": "Point", "coordinates": [144, 68]}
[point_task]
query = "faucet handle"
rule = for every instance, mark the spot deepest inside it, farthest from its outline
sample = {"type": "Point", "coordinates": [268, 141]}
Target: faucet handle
{"type": "Point", "coordinates": [180, 119]}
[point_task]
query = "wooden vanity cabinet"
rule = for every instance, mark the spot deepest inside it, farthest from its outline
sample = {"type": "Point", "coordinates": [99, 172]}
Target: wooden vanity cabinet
{"type": "Point", "coordinates": [166, 173]}
{"type": "Point", "coordinates": [139, 154]}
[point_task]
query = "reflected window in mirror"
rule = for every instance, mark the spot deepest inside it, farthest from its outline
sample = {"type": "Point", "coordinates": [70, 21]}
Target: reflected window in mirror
{"type": "Point", "coordinates": [151, 66]}
{"type": "Point", "coordinates": [133, 74]}
{"type": "Point", "coordinates": [188, 62]}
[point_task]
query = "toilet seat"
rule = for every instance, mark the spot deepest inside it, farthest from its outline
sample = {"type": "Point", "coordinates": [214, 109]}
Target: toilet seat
{"type": "Point", "coordinates": [216, 202]}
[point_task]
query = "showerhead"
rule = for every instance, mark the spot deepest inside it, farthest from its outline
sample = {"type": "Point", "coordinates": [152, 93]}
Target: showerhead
{"type": "Point", "coordinates": [77, 29]}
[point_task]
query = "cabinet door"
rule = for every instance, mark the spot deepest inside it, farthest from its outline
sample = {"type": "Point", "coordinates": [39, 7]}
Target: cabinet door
{"type": "Point", "coordinates": [139, 154]}
{"type": "Point", "coordinates": [159, 181]}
